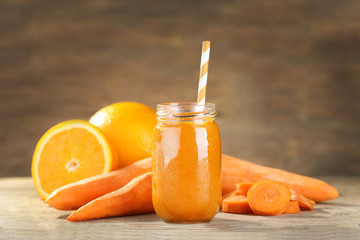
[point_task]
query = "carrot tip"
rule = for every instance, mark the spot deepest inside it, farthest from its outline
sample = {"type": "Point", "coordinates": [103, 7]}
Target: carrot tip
{"type": "Point", "coordinates": [71, 218]}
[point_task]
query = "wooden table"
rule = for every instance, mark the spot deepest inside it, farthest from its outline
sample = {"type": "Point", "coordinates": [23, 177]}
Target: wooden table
{"type": "Point", "coordinates": [24, 216]}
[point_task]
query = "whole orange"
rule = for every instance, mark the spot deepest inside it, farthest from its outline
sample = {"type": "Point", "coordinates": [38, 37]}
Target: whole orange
{"type": "Point", "coordinates": [128, 127]}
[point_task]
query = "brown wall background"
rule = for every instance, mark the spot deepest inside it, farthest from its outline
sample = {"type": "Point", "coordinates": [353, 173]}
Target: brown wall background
{"type": "Point", "coordinates": [285, 75]}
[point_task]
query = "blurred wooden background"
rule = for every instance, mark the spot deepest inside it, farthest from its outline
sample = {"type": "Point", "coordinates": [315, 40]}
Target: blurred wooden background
{"type": "Point", "coordinates": [285, 75]}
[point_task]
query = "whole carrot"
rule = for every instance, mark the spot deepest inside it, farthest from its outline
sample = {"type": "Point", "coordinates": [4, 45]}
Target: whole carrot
{"type": "Point", "coordinates": [133, 198]}
{"type": "Point", "coordinates": [75, 195]}
{"type": "Point", "coordinates": [235, 171]}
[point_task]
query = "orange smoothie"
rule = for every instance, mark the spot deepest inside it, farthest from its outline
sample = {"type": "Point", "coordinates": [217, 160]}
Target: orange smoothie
{"type": "Point", "coordinates": [186, 160]}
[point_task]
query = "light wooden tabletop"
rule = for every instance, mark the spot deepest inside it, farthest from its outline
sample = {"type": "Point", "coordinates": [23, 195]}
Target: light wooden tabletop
{"type": "Point", "coordinates": [24, 216]}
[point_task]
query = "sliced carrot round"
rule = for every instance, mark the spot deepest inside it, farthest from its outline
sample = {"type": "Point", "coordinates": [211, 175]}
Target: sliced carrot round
{"type": "Point", "coordinates": [293, 207]}
{"type": "Point", "coordinates": [236, 204]}
{"type": "Point", "coordinates": [269, 198]}
{"type": "Point", "coordinates": [304, 202]}
{"type": "Point", "coordinates": [243, 187]}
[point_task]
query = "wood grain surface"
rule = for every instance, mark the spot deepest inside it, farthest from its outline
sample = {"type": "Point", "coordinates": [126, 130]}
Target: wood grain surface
{"type": "Point", "coordinates": [25, 216]}
{"type": "Point", "coordinates": [285, 75]}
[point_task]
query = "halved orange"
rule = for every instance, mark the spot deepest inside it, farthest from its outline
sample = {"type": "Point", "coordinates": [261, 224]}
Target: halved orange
{"type": "Point", "coordinates": [68, 152]}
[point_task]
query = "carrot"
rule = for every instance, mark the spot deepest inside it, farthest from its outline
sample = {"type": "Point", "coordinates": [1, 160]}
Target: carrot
{"type": "Point", "coordinates": [269, 198]}
{"type": "Point", "coordinates": [235, 170]}
{"type": "Point", "coordinates": [243, 188]}
{"type": "Point", "coordinates": [230, 194]}
{"type": "Point", "coordinates": [236, 204]}
{"type": "Point", "coordinates": [304, 202]}
{"type": "Point", "coordinates": [293, 207]}
{"type": "Point", "coordinates": [75, 195]}
{"type": "Point", "coordinates": [133, 198]}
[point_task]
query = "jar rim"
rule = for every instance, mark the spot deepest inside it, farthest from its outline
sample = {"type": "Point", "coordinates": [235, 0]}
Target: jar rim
{"type": "Point", "coordinates": [185, 110]}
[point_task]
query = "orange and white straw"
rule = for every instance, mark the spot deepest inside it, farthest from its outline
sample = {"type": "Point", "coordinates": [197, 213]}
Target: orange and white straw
{"type": "Point", "coordinates": [204, 68]}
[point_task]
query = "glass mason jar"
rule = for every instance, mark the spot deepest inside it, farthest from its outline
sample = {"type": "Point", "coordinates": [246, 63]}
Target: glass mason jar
{"type": "Point", "coordinates": [186, 163]}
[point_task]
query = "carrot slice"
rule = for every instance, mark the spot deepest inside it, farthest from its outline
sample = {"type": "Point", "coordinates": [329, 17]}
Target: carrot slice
{"type": "Point", "coordinates": [243, 188]}
{"type": "Point", "coordinates": [236, 204]}
{"type": "Point", "coordinates": [230, 194]}
{"type": "Point", "coordinates": [269, 198]}
{"type": "Point", "coordinates": [304, 202]}
{"type": "Point", "coordinates": [77, 194]}
{"type": "Point", "coordinates": [293, 207]}
{"type": "Point", "coordinates": [234, 170]}
{"type": "Point", "coordinates": [133, 198]}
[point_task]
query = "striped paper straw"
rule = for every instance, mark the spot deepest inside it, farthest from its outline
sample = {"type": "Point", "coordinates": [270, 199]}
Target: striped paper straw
{"type": "Point", "coordinates": [204, 68]}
